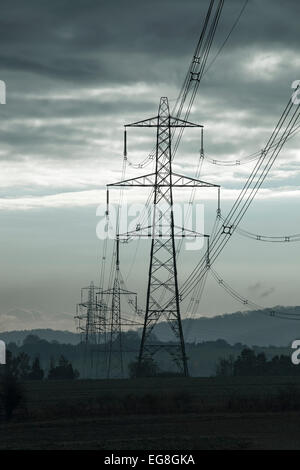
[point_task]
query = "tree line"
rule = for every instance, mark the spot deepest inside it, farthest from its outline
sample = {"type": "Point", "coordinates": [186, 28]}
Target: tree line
{"type": "Point", "coordinates": [250, 363]}
{"type": "Point", "coordinates": [203, 356]}
{"type": "Point", "coordinates": [22, 367]}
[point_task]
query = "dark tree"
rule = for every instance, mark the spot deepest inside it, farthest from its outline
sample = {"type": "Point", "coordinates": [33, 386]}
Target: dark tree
{"type": "Point", "coordinates": [250, 364]}
{"type": "Point", "coordinates": [11, 366]}
{"type": "Point", "coordinates": [36, 372]}
{"type": "Point", "coordinates": [147, 368]}
{"type": "Point", "coordinates": [225, 366]}
{"type": "Point", "coordinates": [11, 390]}
{"type": "Point", "coordinates": [11, 394]}
{"type": "Point", "coordinates": [245, 363]}
{"type": "Point", "coordinates": [31, 339]}
{"type": "Point", "coordinates": [23, 365]}
{"type": "Point", "coordinates": [64, 370]}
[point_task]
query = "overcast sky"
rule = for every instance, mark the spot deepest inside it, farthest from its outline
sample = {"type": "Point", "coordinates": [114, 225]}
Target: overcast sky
{"type": "Point", "coordinates": [76, 72]}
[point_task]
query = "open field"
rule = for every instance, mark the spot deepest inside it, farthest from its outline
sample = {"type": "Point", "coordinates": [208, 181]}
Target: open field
{"type": "Point", "coordinates": [161, 414]}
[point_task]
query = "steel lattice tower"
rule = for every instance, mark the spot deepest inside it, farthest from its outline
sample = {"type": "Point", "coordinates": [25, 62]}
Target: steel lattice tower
{"type": "Point", "coordinates": [162, 281]}
{"type": "Point", "coordinates": [163, 298]}
{"type": "Point", "coordinates": [92, 326]}
{"type": "Point", "coordinates": [115, 340]}
{"type": "Point", "coordinates": [87, 314]}
{"type": "Point", "coordinates": [115, 367]}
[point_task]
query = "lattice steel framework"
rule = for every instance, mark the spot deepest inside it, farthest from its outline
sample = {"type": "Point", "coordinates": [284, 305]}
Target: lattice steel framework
{"type": "Point", "coordinates": [115, 368]}
{"type": "Point", "coordinates": [163, 298]}
{"type": "Point", "coordinates": [91, 316]}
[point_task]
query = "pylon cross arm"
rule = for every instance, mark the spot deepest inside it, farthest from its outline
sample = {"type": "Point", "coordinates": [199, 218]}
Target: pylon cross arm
{"type": "Point", "coordinates": [145, 180]}
{"type": "Point", "coordinates": [177, 180]}
{"type": "Point", "coordinates": [183, 181]}
{"type": "Point", "coordinates": [167, 121]}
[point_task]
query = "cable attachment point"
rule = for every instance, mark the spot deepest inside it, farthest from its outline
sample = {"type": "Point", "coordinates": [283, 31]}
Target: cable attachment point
{"type": "Point", "coordinates": [227, 229]}
{"type": "Point", "coordinates": [195, 76]}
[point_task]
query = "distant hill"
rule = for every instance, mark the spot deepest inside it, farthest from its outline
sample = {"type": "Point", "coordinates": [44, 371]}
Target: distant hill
{"type": "Point", "coordinates": [250, 328]}
{"type": "Point", "coordinates": [65, 337]}
{"type": "Point", "coordinates": [203, 357]}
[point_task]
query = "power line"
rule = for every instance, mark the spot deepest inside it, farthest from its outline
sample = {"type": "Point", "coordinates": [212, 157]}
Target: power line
{"type": "Point", "coordinates": [248, 158]}
{"type": "Point", "coordinates": [227, 37]}
{"type": "Point", "coordinates": [265, 311]}
{"type": "Point", "coordinates": [247, 194]}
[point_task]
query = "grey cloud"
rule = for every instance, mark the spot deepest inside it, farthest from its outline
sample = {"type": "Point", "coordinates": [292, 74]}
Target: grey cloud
{"type": "Point", "coordinates": [68, 47]}
{"type": "Point", "coordinates": [256, 286]}
{"type": "Point", "coordinates": [259, 288]}
{"type": "Point", "coordinates": [267, 292]}
{"type": "Point", "coordinates": [94, 41]}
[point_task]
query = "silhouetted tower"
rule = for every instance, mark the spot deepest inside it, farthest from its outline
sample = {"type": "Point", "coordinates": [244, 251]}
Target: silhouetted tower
{"type": "Point", "coordinates": [115, 340]}
{"type": "Point", "coordinates": [115, 367]}
{"type": "Point", "coordinates": [86, 314]}
{"type": "Point", "coordinates": [163, 297]}
{"type": "Point", "coordinates": [91, 316]}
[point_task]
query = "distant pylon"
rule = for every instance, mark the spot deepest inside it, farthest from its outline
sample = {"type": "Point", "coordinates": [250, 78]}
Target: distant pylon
{"type": "Point", "coordinates": [86, 314]}
{"type": "Point", "coordinates": [115, 340]}
{"type": "Point", "coordinates": [115, 367]}
{"type": "Point", "coordinates": [92, 325]}
{"type": "Point", "coordinates": [163, 298]}
{"type": "Point", "coordinates": [91, 316]}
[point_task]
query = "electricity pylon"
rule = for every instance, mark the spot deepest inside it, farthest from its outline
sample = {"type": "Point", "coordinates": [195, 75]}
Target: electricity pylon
{"type": "Point", "coordinates": [92, 326]}
{"type": "Point", "coordinates": [163, 297]}
{"type": "Point", "coordinates": [91, 322]}
{"type": "Point", "coordinates": [115, 368]}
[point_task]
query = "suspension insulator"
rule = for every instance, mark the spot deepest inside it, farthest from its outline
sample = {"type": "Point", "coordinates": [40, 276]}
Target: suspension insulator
{"type": "Point", "coordinates": [201, 144]}
{"type": "Point", "coordinates": [125, 143]}
{"type": "Point", "coordinates": [107, 202]}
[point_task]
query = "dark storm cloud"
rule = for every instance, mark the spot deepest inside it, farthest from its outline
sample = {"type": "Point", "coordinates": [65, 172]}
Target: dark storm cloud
{"type": "Point", "coordinates": [52, 54]}
{"type": "Point", "coordinates": [60, 140]}
{"type": "Point", "coordinates": [96, 41]}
